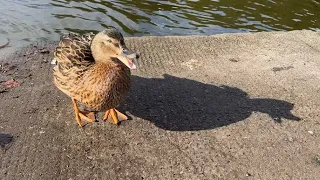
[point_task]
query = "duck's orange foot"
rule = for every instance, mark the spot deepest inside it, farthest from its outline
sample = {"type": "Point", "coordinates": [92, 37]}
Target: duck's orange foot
{"type": "Point", "coordinates": [79, 115]}
{"type": "Point", "coordinates": [88, 116]}
{"type": "Point", "coordinates": [114, 116]}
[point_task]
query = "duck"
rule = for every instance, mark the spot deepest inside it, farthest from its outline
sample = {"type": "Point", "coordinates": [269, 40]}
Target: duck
{"type": "Point", "coordinates": [94, 70]}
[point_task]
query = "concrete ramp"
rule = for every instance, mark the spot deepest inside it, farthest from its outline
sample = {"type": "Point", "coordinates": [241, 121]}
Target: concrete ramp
{"type": "Point", "coordinates": [231, 106]}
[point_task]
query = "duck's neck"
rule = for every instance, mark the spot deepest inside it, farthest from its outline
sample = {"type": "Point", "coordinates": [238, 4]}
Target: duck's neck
{"type": "Point", "coordinates": [100, 58]}
{"type": "Point", "coordinates": [104, 61]}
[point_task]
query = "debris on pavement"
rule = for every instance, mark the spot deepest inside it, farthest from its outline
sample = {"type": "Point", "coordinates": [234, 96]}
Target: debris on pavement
{"type": "Point", "coordinates": [11, 83]}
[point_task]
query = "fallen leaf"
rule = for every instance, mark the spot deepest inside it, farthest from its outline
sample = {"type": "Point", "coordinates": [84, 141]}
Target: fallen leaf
{"type": "Point", "coordinates": [11, 83]}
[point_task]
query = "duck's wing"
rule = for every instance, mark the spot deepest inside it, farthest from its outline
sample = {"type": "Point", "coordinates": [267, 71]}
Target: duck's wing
{"type": "Point", "coordinates": [74, 50]}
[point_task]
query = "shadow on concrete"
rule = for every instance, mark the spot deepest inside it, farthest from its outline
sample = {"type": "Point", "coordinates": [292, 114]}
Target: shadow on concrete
{"type": "Point", "coordinates": [5, 139]}
{"type": "Point", "coordinates": [179, 104]}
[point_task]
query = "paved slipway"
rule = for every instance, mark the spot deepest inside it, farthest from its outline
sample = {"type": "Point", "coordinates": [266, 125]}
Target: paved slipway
{"type": "Point", "coordinates": [230, 106]}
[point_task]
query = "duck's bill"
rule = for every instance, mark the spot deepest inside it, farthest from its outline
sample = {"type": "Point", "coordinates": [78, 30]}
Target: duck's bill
{"type": "Point", "coordinates": [128, 57]}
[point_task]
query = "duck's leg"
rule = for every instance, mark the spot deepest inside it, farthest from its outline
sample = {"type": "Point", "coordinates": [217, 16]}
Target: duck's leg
{"type": "Point", "coordinates": [76, 112]}
{"type": "Point", "coordinates": [115, 116]}
{"type": "Point", "coordinates": [106, 115]}
{"type": "Point", "coordinates": [79, 115]}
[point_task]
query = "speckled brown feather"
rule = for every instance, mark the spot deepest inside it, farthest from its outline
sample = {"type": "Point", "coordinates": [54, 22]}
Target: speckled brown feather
{"type": "Point", "coordinates": [99, 86]}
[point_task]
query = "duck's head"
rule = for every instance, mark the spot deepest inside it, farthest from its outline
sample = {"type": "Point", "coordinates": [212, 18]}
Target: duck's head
{"type": "Point", "coordinates": [109, 44]}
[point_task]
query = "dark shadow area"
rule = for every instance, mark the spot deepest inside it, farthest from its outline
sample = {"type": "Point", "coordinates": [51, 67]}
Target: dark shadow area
{"type": "Point", "coordinates": [179, 104]}
{"type": "Point", "coordinates": [5, 140]}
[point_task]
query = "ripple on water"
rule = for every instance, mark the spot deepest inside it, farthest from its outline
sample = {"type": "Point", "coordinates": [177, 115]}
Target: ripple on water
{"type": "Point", "coordinates": [30, 20]}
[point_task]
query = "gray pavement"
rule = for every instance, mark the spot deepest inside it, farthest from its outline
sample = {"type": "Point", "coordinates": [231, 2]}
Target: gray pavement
{"type": "Point", "coordinates": [230, 106]}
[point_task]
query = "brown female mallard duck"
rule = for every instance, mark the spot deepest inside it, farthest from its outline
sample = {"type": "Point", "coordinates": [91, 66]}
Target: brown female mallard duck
{"type": "Point", "coordinates": [94, 69]}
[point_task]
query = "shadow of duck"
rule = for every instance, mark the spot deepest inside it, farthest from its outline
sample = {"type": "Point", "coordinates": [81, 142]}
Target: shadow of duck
{"type": "Point", "coordinates": [180, 104]}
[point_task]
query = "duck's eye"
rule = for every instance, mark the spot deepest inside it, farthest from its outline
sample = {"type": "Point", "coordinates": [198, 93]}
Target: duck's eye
{"type": "Point", "coordinates": [109, 41]}
{"type": "Point", "coordinates": [116, 44]}
{"type": "Point", "coordinates": [122, 41]}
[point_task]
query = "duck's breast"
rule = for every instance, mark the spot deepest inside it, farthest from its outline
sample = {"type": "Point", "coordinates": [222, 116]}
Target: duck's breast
{"type": "Point", "coordinates": [105, 88]}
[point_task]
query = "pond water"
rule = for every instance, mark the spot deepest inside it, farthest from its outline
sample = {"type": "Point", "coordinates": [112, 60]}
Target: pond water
{"type": "Point", "coordinates": [25, 21]}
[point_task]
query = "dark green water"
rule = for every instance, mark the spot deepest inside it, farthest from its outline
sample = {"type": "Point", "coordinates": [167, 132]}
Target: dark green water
{"type": "Point", "coordinates": [24, 21]}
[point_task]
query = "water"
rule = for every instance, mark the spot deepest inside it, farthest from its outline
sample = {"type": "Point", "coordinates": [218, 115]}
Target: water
{"type": "Point", "coordinates": [25, 21]}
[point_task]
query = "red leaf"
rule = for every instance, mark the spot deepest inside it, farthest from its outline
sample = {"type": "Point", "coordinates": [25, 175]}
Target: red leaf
{"type": "Point", "coordinates": [11, 83]}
